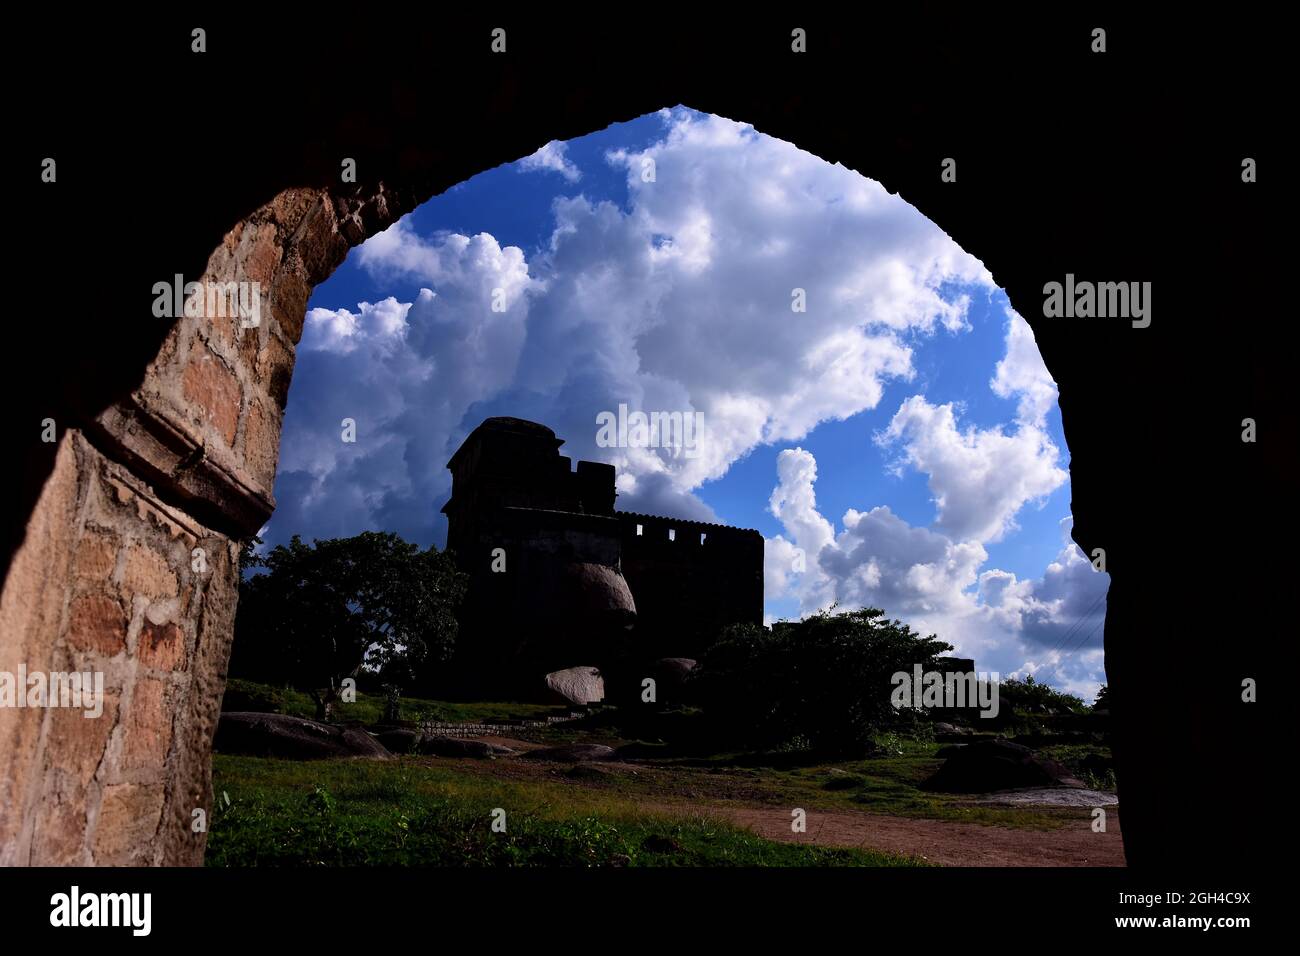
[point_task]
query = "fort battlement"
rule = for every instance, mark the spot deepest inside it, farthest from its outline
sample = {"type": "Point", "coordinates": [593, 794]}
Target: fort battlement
{"type": "Point", "coordinates": [690, 578]}
{"type": "Point", "coordinates": [653, 529]}
{"type": "Point", "coordinates": [553, 564]}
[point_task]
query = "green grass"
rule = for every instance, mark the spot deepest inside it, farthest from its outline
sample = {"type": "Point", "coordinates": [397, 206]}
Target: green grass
{"type": "Point", "coordinates": [888, 784]}
{"type": "Point", "coordinates": [404, 813]}
{"type": "Point", "coordinates": [369, 708]}
{"type": "Point", "coordinates": [1072, 754]}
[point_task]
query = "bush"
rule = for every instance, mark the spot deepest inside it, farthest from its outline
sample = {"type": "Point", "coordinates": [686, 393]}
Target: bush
{"type": "Point", "coordinates": [317, 615]}
{"type": "Point", "coordinates": [822, 683]}
{"type": "Point", "coordinates": [1029, 696]}
{"type": "Point", "coordinates": [244, 695]}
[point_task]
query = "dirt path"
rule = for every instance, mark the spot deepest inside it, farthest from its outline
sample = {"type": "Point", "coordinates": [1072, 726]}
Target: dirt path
{"type": "Point", "coordinates": [941, 842]}
{"type": "Point", "coordinates": [936, 841]}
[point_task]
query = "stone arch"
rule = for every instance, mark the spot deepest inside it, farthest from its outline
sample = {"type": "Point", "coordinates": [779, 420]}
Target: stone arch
{"type": "Point", "coordinates": [174, 449]}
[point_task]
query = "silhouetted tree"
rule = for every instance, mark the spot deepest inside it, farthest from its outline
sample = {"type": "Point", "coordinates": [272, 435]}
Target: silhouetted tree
{"type": "Point", "coordinates": [1030, 696]}
{"type": "Point", "coordinates": [823, 682]}
{"type": "Point", "coordinates": [317, 614]}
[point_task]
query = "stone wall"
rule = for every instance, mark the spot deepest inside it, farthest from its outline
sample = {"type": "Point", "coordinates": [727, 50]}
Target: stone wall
{"type": "Point", "coordinates": [445, 728]}
{"type": "Point", "coordinates": [690, 579]}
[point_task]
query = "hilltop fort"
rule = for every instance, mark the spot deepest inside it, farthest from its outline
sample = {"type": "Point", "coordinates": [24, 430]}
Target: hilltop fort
{"type": "Point", "coordinates": [559, 578]}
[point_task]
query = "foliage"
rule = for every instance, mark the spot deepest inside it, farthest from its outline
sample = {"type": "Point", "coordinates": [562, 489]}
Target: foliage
{"type": "Point", "coordinates": [249, 695]}
{"type": "Point", "coordinates": [317, 614]}
{"type": "Point", "coordinates": [1029, 696]}
{"type": "Point", "coordinates": [369, 708]}
{"type": "Point", "coordinates": [822, 683]}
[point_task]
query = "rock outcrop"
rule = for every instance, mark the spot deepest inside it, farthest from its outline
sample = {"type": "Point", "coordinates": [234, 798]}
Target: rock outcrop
{"type": "Point", "coordinates": [456, 747]}
{"type": "Point", "coordinates": [572, 753]}
{"type": "Point", "coordinates": [576, 685]}
{"type": "Point", "coordinates": [997, 764]}
{"type": "Point", "coordinates": [293, 738]}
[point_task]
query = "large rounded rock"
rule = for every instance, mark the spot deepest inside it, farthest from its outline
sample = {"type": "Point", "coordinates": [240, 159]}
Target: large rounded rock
{"type": "Point", "coordinates": [597, 593]}
{"type": "Point", "coordinates": [292, 738]}
{"type": "Point", "coordinates": [456, 747]}
{"type": "Point", "coordinates": [572, 753]}
{"type": "Point", "coordinates": [400, 740]}
{"type": "Point", "coordinates": [671, 675]}
{"type": "Point", "coordinates": [576, 685]}
{"type": "Point", "coordinates": [997, 764]}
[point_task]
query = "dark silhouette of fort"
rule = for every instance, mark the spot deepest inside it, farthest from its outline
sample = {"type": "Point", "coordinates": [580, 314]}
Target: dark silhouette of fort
{"type": "Point", "coordinates": [559, 578]}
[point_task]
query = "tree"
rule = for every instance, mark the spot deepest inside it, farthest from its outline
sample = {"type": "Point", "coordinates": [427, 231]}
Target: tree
{"type": "Point", "coordinates": [1030, 696]}
{"type": "Point", "coordinates": [318, 614]}
{"type": "Point", "coordinates": [823, 682]}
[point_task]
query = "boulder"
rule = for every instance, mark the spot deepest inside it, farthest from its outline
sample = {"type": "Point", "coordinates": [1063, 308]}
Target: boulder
{"type": "Point", "coordinates": [945, 732]}
{"type": "Point", "coordinates": [456, 747]}
{"type": "Point", "coordinates": [671, 674]}
{"type": "Point", "coordinates": [998, 764]}
{"type": "Point", "coordinates": [292, 738]}
{"type": "Point", "coordinates": [576, 685]}
{"type": "Point", "coordinates": [596, 593]}
{"type": "Point", "coordinates": [400, 740]}
{"type": "Point", "coordinates": [572, 753]}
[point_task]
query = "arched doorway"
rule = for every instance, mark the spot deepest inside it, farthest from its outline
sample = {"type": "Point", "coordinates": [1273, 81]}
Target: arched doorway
{"type": "Point", "coordinates": [167, 431]}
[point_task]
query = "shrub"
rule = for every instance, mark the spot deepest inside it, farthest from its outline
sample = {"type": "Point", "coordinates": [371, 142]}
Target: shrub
{"type": "Point", "coordinates": [243, 695]}
{"type": "Point", "coordinates": [1029, 696]}
{"type": "Point", "coordinates": [822, 683]}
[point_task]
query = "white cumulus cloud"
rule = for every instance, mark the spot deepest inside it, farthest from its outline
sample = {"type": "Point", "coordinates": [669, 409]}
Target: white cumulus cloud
{"type": "Point", "coordinates": [680, 302]}
{"type": "Point", "coordinates": [553, 158]}
{"type": "Point", "coordinates": [979, 477]}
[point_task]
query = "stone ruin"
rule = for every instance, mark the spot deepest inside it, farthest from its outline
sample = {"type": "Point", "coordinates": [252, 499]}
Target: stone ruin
{"type": "Point", "coordinates": [559, 579]}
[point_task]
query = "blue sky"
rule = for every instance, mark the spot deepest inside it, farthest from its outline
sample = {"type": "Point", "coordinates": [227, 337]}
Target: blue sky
{"type": "Point", "coordinates": [897, 442]}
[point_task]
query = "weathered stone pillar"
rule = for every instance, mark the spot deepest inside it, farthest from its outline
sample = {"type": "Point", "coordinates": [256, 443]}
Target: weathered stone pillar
{"type": "Point", "coordinates": [129, 567]}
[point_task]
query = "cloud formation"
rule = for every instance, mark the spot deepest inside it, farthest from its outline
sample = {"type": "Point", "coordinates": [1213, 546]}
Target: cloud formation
{"type": "Point", "coordinates": [935, 577]}
{"type": "Point", "coordinates": [553, 157]}
{"type": "Point", "coordinates": [682, 301]}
